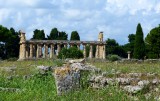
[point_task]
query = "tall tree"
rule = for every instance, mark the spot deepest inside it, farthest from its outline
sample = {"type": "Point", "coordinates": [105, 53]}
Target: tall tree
{"type": "Point", "coordinates": [153, 43]}
{"type": "Point", "coordinates": [62, 36]}
{"type": "Point", "coordinates": [139, 45]}
{"type": "Point", "coordinates": [53, 34]}
{"type": "Point", "coordinates": [75, 36]}
{"type": "Point", "coordinates": [38, 34]}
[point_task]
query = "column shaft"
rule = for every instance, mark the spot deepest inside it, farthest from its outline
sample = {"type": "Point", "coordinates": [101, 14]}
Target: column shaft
{"type": "Point", "coordinates": [52, 51]}
{"type": "Point", "coordinates": [45, 51]}
{"type": "Point", "coordinates": [31, 51]}
{"type": "Point", "coordinates": [58, 48]}
{"type": "Point", "coordinates": [91, 51]}
{"type": "Point", "coordinates": [104, 51]}
{"type": "Point", "coordinates": [38, 51]}
{"type": "Point", "coordinates": [84, 51]}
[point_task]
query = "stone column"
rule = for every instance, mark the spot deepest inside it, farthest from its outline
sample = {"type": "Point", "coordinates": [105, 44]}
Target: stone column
{"type": "Point", "coordinates": [84, 51]}
{"type": "Point", "coordinates": [129, 54]}
{"type": "Point", "coordinates": [91, 51]}
{"type": "Point", "coordinates": [97, 52]}
{"type": "Point", "coordinates": [22, 50]}
{"type": "Point", "coordinates": [38, 51]}
{"type": "Point", "coordinates": [52, 51]}
{"type": "Point", "coordinates": [27, 51]}
{"type": "Point", "coordinates": [78, 46]}
{"type": "Point", "coordinates": [58, 48]}
{"type": "Point", "coordinates": [104, 51]}
{"type": "Point", "coordinates": [71, 45]}
{"type": "Point", "coordinates": [45, 51]}
{"type": "Point", "coordinates": [31, 51]}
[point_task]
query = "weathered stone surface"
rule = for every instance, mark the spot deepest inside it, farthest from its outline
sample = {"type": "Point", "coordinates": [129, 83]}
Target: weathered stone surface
{"type": "Point", "coordinates": [143, 83]}
{"type": "Point", "coordinates": [68, 77]}
{"type": "Point", "coordinates": [43, 69]}
{"type": "Point", "coordinates": [123, 81]}
{"type": "Point", "coordinates": [77, 61]}
{"type": "Point", "coordinates": [132, 89]}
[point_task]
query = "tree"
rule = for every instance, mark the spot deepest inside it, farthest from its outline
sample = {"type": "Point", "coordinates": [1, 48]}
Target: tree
{"type": "Point", "coordinates": [38, 34]}
{"type": "Point", "coordinates": [72, 52]}
{"type": "Point", "coordinates": [112, 47]}
{"type": "Point", "coordinates": [62, 36]}
{"type": "Point", "coordinates": [9, 43]}
{"type": "Point", "coordinates": [153, 43]}
{"type": "Point", "coordinates": [53, 34]}
{"type": "Point", "coordinates": [130, 46]}
{"type": "Point", "coordinates": [74, 36]}
{"type": "Point", "coordinates": [139, 45]}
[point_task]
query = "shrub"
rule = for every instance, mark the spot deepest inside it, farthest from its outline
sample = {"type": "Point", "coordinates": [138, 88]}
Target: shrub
{"type": "Point", "coordinates": [113, 57]}
{"type": "Point", "coordinates": [72, 52]}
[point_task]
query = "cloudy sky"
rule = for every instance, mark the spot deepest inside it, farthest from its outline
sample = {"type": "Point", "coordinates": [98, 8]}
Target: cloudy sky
{"type": "Point", "coordinates": [116, 18]}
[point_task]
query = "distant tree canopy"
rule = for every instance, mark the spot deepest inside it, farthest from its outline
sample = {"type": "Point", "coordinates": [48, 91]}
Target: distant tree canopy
{"type": "Point", "coordinates": [9, 43]}
{"type": "Point", "coordinates": [139, 45]}
{"type": "Point", "coordinates": [72, 52]}
{"type": "Point", "coordinates": [38, 34]}
{"type": "Point", "coordinates": [112, 47]}
{"type": "Point", "coordinates": [153, 43]}
{"type": "Point", "coordinates": [75, 36]}
{"type": "Point", "coordinates": [56, 35]}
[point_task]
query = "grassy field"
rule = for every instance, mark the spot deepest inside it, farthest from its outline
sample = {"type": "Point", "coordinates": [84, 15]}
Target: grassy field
{"type": "Point", "coordinates": [42, 88]}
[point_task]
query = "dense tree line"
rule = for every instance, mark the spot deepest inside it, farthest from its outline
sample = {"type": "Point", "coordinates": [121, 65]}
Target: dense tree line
{"type": "Point", "coordinates": [9, 43]}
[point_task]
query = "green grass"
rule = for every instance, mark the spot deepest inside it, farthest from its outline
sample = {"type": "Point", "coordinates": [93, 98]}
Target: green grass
{"type": "Point", "coordinates": [43, 88]}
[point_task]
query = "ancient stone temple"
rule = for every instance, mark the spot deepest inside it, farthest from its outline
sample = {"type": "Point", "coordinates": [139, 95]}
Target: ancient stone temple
{"type": "Point", "coordinates": [31, 49]}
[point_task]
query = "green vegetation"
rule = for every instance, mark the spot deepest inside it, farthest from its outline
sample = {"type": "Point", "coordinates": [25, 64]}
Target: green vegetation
{"type": "Point", "coordinates": [75, 36]}
{"type": "Point", "coordinates": [38, 34]}
{"type": "Point", "coordinates": [43, 88]}
{"type": "Point", "coordinates": [153, 43]}
{"type": "Point", "coordinates": [9, 43]}
{"type": "Point", "coordinates": [139, 46]}
{"type": "Point", "coordinates": [56, 35]}
{"type": "Point", "coordinates": [72, 52]}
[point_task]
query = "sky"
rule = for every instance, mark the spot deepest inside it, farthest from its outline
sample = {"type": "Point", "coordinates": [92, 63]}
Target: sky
{"type": "Point", "coordinates": [116, 18]}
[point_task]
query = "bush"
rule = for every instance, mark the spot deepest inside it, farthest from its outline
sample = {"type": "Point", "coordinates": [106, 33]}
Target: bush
{"type": "Point", "coordinates": [72, 52]}
{"type": "Point", "coordinates": [113, 57]}
{"type": "Point", "coordinates": [152, 55]}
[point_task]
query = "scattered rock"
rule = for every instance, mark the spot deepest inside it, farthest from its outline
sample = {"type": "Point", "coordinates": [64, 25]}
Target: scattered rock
{"type": "Point", "coordinates": [133, 89]}
{"type": "Point", "coordinates": [77, 61]}
{"type": "Point", "coordinates": [143, 83]}
{"type": "Point", "coordinates": [44, 69]}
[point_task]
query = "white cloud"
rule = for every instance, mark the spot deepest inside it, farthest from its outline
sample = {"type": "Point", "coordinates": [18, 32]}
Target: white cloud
{"type": "Point", "coordinates": [116, 18]}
